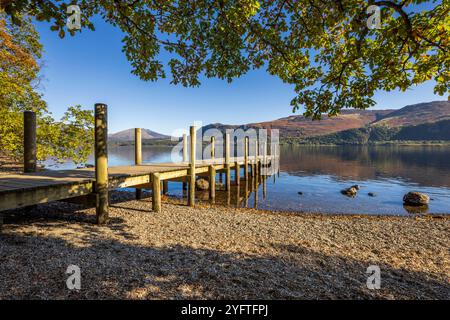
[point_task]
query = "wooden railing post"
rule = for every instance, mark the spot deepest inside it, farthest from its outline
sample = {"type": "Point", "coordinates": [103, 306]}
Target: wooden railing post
{"type": "Point", "coordinates": [138, 155]}
{"type": "Point", "coordinates": [29, 141]}
{"type": "Point", "coordinates": [185, 155]}
{"type": "Point", "coordinates": [227, 162]}
{"type": "Point", "coordinates": [213, 148]}
{"type": "Point", "coordinates": [191, 196]}
{"type": "Point", "coordinates": [246, 141]}
{"type": "Point", "coordinates": [101, 162]}
{"type": "Point", "coordinates": [185, 148]}
{"type": "Point", "coordinates": [256, 156]}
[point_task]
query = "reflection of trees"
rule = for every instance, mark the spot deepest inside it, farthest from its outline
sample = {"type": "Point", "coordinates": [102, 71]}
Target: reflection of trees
{"type": "Point", "coordinates": [426, 165]}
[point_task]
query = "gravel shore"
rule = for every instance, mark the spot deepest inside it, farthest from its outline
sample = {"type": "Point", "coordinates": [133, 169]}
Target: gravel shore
{"type": "Point", "coordinates": [215, 252]}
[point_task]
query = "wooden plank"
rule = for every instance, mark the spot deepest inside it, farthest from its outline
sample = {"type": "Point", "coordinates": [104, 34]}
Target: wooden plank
{"type": "Point", "coordinates": [30, 197]}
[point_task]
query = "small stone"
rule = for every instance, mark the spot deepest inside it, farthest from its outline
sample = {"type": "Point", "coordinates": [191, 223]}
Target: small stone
{"type": "Point", "coordinates": [202, 184]}
{"type": "Point", "coordinates": [371, 194]}
{"type": "Point", "coordinates": [300, 193]}
{"type": "Point", "coordinates": [415, 198]}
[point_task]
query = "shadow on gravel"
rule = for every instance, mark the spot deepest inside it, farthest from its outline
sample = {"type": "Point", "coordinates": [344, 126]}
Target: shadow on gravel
{"type": "Point", "coordinates": [33, 267]}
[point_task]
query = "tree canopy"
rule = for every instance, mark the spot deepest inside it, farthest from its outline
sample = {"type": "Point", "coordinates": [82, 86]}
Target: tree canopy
{"type": "Point", "coordinates": [20, 51]}
{"type": "Point", "coordinates": [324, 48]}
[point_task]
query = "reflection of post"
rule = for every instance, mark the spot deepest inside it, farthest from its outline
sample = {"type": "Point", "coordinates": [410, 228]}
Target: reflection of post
{"type": "Point", "coordinates": [165, 187]}
{"type": "Point", "coordinates": [264, 187]}
{"type": "Point", "coordinates": [246, 158]}
{"type": "Point", "coordinates": [138, 155]}
{"type": "Point", "coordinates": [185, 155]}
{"type": "Point", "coordinates": [227, 163]}
{"type": "Point", "coordinates": [29, 141]}
{"type": "Point", "coordinates": [212, 183]}
{"type": "Point", "coordinates": [255, 205]}
{"type": "Point", "coordinates": [191, 198]}
{"type": "Point", "coordinates": [101, 162]}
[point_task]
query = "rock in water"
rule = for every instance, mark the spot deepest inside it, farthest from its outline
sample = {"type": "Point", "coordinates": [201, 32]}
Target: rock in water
{"type": "Point", "coordinates": [300, 193]}
{"type": "Point", "coordinates": [371, 194]}
{"type": "Point", "coordinates": [355, 186]}
{"type": "Point", "coordinates": [415, 198]}
{"type": "Point", "coordinates": [202, 184]}
{"type": "Point", "coordinates": [351, 192]}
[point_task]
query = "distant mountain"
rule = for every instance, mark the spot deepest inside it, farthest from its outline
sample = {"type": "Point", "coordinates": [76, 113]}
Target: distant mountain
{"type": "Point", "coordinates": [297, 128]}
{"type": "Point", "coordinates": [416, 114]}
{"type": "Point", "coordinates": [128, 135]}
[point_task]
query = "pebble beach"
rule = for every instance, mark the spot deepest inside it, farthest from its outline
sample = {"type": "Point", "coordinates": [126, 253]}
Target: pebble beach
{"type": "Point", "coordinates": [218, 252]}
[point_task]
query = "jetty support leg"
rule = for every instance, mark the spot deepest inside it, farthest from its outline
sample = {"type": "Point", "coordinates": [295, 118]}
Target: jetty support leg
{"type": "Point", "coordinates": [212, 184]}
{"type": "Point", "coordinates": [156, 195]}
{"type": "Point", "coordinates": [227, 163]}
{"type": "Point", "coordinates": [237, 173]}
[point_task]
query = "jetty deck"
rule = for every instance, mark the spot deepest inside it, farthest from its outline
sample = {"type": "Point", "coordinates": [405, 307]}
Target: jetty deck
{"type": "Point", "coordinates": [90, 186]}
{"type": "Point", "coordinates": [26, 189]}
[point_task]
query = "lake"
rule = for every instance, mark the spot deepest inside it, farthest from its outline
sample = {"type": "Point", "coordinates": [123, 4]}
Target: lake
{"type": "Point", "coordinates": [320, 172]}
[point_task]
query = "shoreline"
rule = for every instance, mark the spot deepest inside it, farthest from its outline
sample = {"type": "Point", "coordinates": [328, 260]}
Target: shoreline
{"type": "Point", "coordinates": [219, 253]}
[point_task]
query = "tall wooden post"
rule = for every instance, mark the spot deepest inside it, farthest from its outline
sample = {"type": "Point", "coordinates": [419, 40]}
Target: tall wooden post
{"type": "Point", "coordinates": [138, 155]}
{"type": "Point", "coordinates": [156, 195]}
{"type": "Point", "coordinates": [246, 158]}
{"type": "Point", "coordinates": [101, 162]}
{"type": "Point", "coordinates": [29, 141]}
{"type": "Point", "coordinates": [227, 162]}
{"type": "Point", "coordinates": [191, 197]}
{"type": "Point", "coordinates": [212, 183]}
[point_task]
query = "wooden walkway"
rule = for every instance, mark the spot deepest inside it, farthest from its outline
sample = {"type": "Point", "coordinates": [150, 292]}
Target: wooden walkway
{"type": "Point", "coordinates": [91, 185]}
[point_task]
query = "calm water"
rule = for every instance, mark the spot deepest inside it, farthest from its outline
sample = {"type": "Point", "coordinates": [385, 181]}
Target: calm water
{"type": "Point", "coordinates": [321, 172]}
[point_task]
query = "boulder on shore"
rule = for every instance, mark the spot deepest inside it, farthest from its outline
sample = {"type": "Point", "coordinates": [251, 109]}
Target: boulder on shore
{"type": "Point", "coordinates": [202, 184]}
{"type": "Point", "coordinates": [351, 192]}
{"type": "Point", "coordinates": [415, 198]}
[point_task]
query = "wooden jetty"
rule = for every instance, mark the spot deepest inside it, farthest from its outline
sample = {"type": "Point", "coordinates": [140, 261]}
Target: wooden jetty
{"type": "Point", "coordinates": [91, 185]}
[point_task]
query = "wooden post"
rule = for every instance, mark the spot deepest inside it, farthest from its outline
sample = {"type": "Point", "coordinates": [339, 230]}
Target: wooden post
{"type": "Point", "coordinates": [185, 148]}
{"type": "Point", "coordinates": [256, 157]}
{"type": "Point", "coordinates": [191, 197]}
{"type": "Point", "coordinates": [227, 162]}
{"type": "Point", "coordinates": [246, 158]}
{"type": "Point", "coordinates": [101, 162]}
{"type": "Point", "coordinates": [212, 183]}
{"type": "Point", "coordinates": [138, 155]}
{"type": "Point", "coordinates": [29, 141]}
{"type": "Point", "coordinates": [237, 173]}
{"type": "Point", "coordinates": [156, 196]}
{"type": "Point", "coordinates": [165, 187]}
{"type": "Point", "coordinates": [213, 148]}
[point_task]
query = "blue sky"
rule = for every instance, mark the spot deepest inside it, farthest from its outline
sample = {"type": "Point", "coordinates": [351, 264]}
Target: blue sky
{"type": "Point", "coordinates": [91, 67]}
